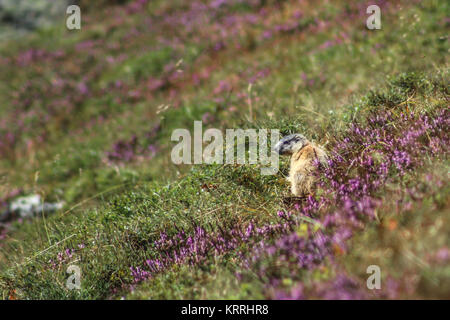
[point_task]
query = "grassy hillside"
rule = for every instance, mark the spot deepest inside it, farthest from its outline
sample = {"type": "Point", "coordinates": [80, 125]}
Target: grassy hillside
{"type": "Point", "coordinates": [86, 118]}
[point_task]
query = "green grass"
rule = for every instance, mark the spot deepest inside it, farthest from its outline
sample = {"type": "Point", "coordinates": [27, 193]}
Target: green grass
{"type": "Point", "coordinates": [118, 210]}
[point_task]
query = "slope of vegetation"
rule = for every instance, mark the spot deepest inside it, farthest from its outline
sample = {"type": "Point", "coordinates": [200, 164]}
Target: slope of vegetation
{"type": "Point", "coordinates": [86, 117]}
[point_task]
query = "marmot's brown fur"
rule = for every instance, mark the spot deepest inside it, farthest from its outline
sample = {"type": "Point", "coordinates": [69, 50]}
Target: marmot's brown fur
{"type": "Point", "coordinates": [303, 155]}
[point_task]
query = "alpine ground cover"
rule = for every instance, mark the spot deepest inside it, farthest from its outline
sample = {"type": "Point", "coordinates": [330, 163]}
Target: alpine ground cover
{"type": "Point", "coordinates": [86, 117]}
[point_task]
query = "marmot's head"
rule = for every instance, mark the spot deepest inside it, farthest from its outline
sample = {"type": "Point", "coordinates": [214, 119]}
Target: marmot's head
{"type": "Point", "coordinates": [291, 144]}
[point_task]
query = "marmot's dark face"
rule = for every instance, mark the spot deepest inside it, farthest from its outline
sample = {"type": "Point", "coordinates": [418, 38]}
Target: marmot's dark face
{"type": "Point", "coordinates": [290, 144]}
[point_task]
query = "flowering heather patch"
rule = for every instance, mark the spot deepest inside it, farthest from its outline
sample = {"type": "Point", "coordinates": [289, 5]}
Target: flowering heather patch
{"type": "Point", "coordinates": [8, 142]}
{"type": "Point", "coordinates": [126, 151]}
{"type": "Point", "coordinates": [75, 109]}
{"type": "Point", "coordinates": [197, 248]}
{"type": "Point", "coordinates": [56, 85]}
{"type": "Point", "coordinates": [381, 146]}
{"type": "Point", "coordinates": [129, 150]}
{"type": "Point", "coordinates": [64, 257]}
{"type": "Point", "coordinates": [368, 155]}
{"type": "Point", "coordinates": [291, 250]}
{"type": "Point", "coordinates": [387, 145]}
{"type": "Point", "coordinates": [342, 287]}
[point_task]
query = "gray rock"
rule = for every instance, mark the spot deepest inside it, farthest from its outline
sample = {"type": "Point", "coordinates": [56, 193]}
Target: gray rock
{"type": "Point", "coordinates": [21, 16]}
{"type": "Point", "coordinates": [28, 207]}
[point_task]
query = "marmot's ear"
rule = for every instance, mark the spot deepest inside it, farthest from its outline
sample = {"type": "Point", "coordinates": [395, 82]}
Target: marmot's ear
{"type": "Point", "coordinates": [290, 144]}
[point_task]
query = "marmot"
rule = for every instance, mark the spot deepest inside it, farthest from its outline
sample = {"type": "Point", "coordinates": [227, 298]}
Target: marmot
{"type": "Point", "coordinates": [303, 153]}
